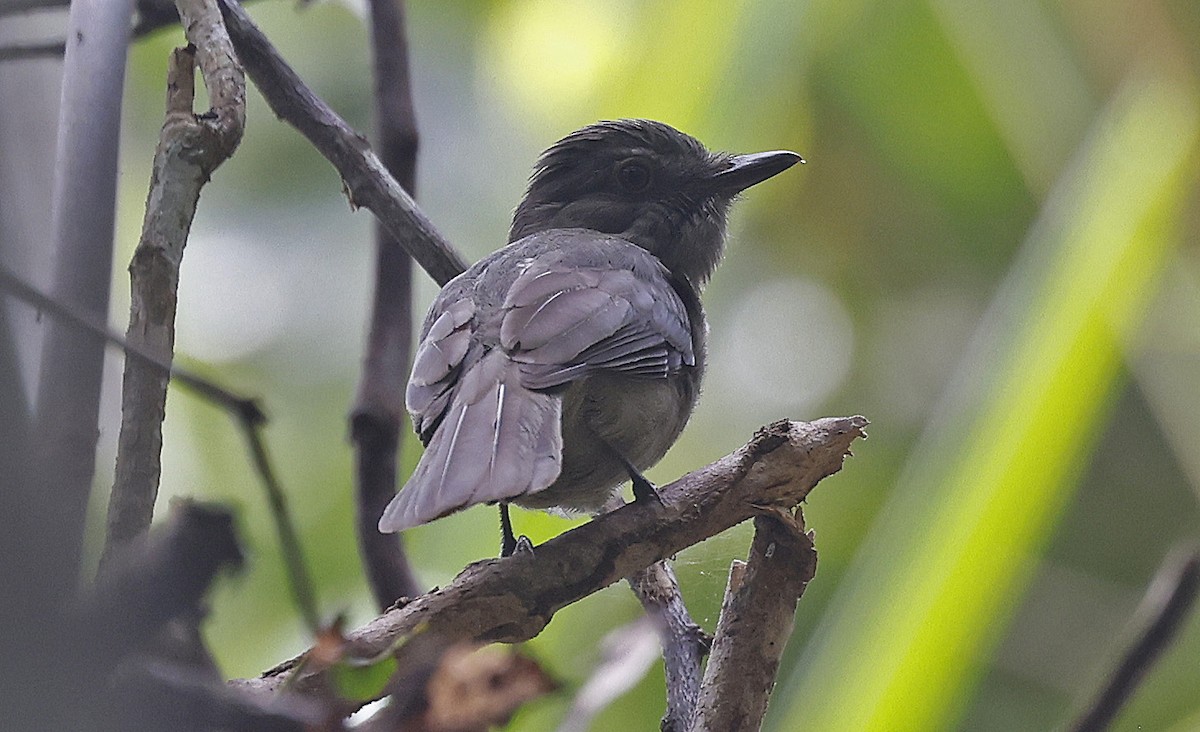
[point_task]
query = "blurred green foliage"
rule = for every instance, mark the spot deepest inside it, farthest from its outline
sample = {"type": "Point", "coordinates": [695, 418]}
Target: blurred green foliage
{"type": "Point", "coordinates": [991, 254]}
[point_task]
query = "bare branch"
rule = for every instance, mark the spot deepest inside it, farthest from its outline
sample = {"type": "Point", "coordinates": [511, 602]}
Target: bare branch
{"type": "Point", "coordinates": [249, 416]}
{"type": "Point", "coordinates": [243, 408]}
{"type": "Point", "coordinates": [190, 148]}
{"type": "Point", "coordinates": [756, 621]}
{"type": "Point", "coordinates": [684, 642]}
{"type": "Point", "coordinates": [1167, 603]}
{"type": "Point", "coordinates": [512, 599]}
{"type": "Point", "coordinates": [366, 178]}
{"type": "Point", "coordinates": [50, 49]}
{"type": "Point", "coordinates": [13, 7]}
{"type": "Point", "coordinates": [301, 582]}
{"type": "Point", "coordinates": [378, 417]}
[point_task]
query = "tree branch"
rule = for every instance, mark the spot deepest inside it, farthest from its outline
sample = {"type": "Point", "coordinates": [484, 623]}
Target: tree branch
{"type": "Point", "coordinates": [757, 616]}
{"type": "Point", "coordinates": [1164, 608]}
{"type": "Point", "coordinates": [25, 51]}
{"type": "Point", "coordinates": [378, 416]}
{"type": "Point", "coordinates": [512, 599]}
{"type": "Point", "coordinates": [246, 411]}
{"type": "Point", "coordinates": [190, 148]}
{"type": "Point", "coordinates": [365, 177]}
{"type": "Point", "coordinates": [684, 643]}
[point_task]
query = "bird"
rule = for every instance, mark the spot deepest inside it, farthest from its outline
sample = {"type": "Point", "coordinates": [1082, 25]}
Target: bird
{"type": "Point", "coordinates": [570, 360]}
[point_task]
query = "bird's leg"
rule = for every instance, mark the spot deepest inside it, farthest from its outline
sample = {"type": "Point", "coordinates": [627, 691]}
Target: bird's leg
{"type": "Point", "coordinates": [508, 542]}
{"type": "Point", "coordinates": [643, 489]}
{"type": "Point", "coordinates": [511, 544]}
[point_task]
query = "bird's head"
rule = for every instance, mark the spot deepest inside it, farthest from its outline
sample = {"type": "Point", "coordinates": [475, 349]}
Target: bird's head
{"type": "Point", "coordinates": [648, 183]}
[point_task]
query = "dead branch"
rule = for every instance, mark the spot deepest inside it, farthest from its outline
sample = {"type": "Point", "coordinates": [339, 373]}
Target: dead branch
{"type": "Point", "coordinates": [367, 181]}
{"type": "Point", "coordinates": [684, 643]}
{"type": "Point", "coordinates": [190, 148]}
{"type": "Point", "coordinates": [512, 599]}
{"type": "Point", "coordinates": [756, 621]}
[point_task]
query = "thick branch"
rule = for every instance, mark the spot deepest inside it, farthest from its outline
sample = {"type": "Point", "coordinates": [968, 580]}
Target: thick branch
{"type": "Point", "coordinates": [756, 621]}
{"type": "Point", "coordinates": [366, 178]}
{"type": "Point", "coordinates": [512, 599]}
{"type": "Point", "coordinates": [190, 148]}
{"type": "Point", "coordinates": [377, 418]}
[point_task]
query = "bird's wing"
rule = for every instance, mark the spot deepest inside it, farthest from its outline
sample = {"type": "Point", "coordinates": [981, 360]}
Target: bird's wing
{"type": "Point", "coordinates": [494, 440]}
{"type": "Point", "coordinates": [438, 363]}
{"type": "Point", "coordinates": [566, 317]}
{"type": "Point", "coordinates": [488, 438]}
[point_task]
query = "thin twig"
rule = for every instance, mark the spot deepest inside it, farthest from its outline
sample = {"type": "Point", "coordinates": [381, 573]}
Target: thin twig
{"type": "Point", "coordinates": [293, 555]}
{"type": "Point", "coordinates": [684, 643]}
{"type": "Point", "coordinates": [190, 148]}
{"type": "Point", "coordinates": [365, 177]}
{"type": "Point", "coordinates": [13, 7]}
{"type": "Point", "coordinates": [241, 407]}
{"type": "Point", "coordinates": [377, 418]}
{"type": "Point", "coordinates": [50, 49]}
{"type": "Point", "coordinates": [1167, 603]}
{"type": "Point", "coordinates": [756, 621]}
{"type": "Point", "coordinates": [512, 599]}
{"type": "Point", "coordinates": [246, 411]}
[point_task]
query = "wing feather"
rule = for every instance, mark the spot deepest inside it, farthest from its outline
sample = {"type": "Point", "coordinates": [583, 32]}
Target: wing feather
{"type": "Point", "coordinates": [565, 318]}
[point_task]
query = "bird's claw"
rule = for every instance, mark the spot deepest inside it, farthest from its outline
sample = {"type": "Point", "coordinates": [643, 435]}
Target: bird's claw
{"type": "Point", "coordinates": [523, 547]}
{"type": "Point", "coordinates": [644, 491]}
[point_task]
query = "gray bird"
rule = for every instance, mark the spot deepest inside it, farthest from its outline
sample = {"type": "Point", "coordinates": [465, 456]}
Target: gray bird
{"type": "Point", "coordinates": [570, 360]}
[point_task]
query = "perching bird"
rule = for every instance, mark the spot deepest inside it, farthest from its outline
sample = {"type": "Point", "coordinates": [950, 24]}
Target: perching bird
{"type": "Point", "coordinates": [570, 360]}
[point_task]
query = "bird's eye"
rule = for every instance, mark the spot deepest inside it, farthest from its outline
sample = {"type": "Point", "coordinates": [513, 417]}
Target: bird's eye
{"type": "Point", "coordinates": [634, 176]}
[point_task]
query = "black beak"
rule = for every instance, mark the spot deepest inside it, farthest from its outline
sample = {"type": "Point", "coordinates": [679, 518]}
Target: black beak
{"type": "Point", "coordinates": [747, 170]}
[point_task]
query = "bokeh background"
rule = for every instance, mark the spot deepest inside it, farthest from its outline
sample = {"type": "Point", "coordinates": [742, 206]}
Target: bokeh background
{"type": "Point", "coordinates": [991, 253]}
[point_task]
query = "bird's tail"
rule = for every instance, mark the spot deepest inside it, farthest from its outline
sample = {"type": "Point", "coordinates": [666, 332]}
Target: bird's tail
{"type": "Point", "coordinates": [497, 441]}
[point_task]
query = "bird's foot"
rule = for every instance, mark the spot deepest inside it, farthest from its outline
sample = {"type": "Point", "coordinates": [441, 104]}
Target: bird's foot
{"type": "Point", "coordinates": [644, 490]}
{"type": "Point", "coordinates": [508, 541]}
{"type": "Point", "coordinates": [524, 547]}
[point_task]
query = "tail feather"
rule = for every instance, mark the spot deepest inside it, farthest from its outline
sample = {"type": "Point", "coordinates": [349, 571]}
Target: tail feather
{"type": "Point", "coordinates": [497, 441]}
